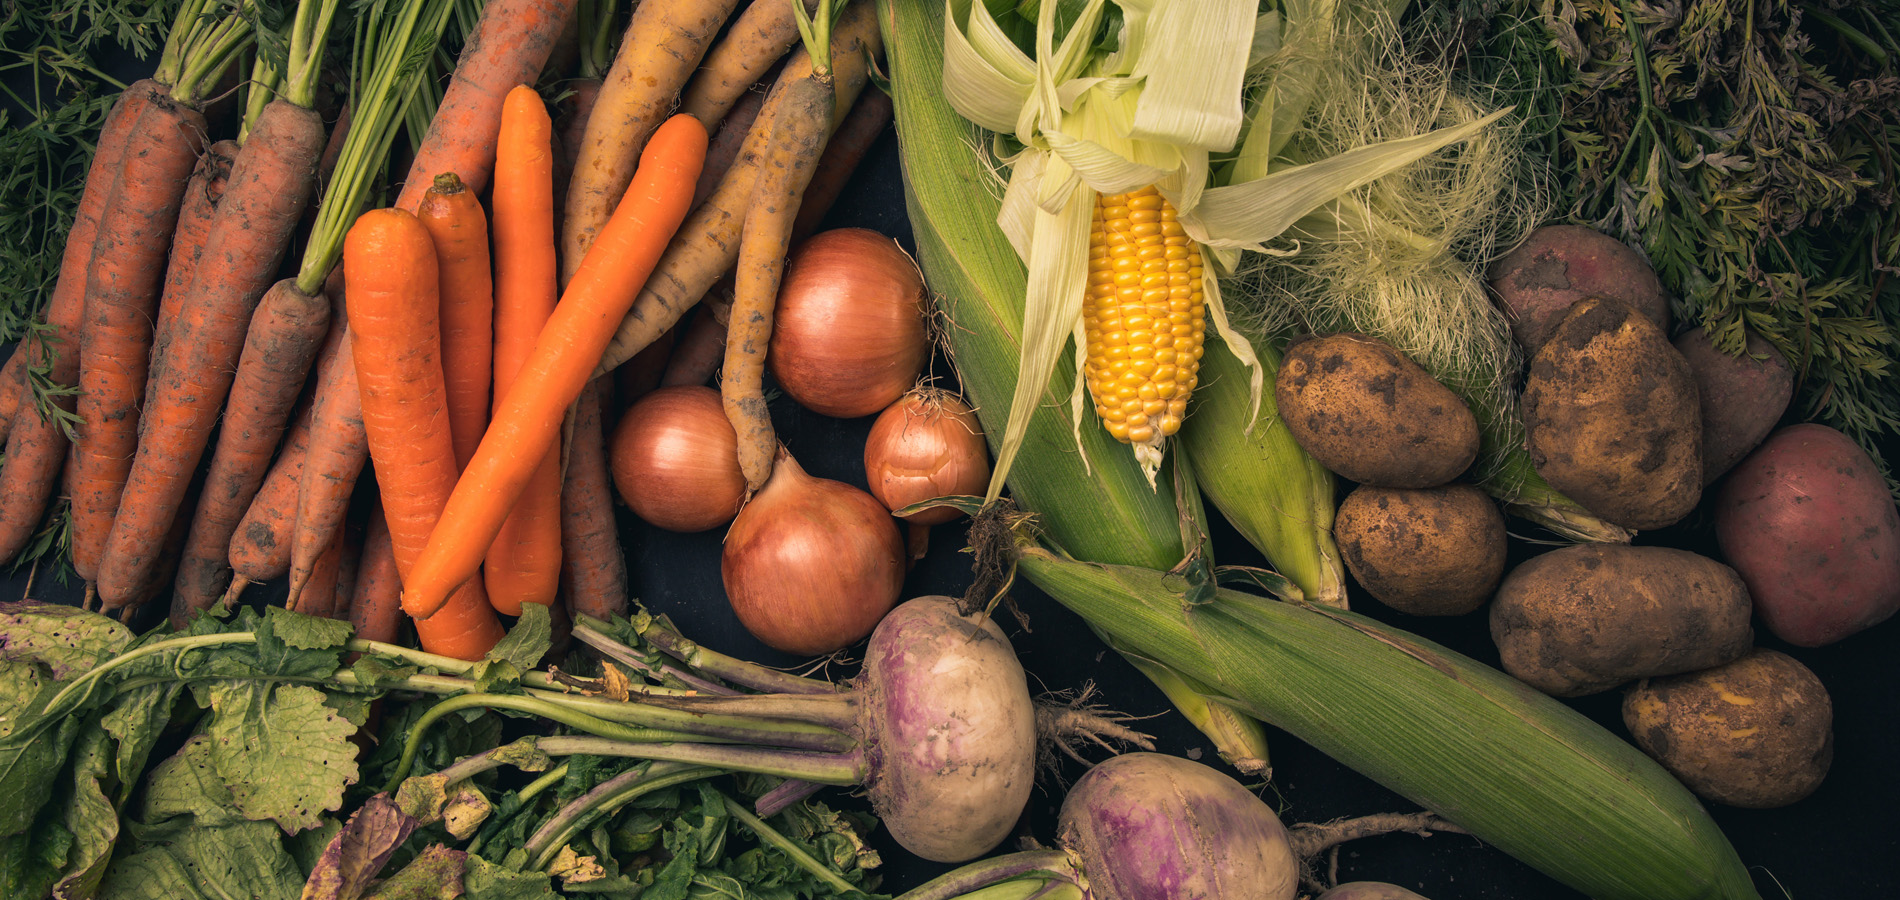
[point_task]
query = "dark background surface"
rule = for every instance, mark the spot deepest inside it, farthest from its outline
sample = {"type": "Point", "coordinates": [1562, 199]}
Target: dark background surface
{"type": "Point", "coordinates": [1843, 841]}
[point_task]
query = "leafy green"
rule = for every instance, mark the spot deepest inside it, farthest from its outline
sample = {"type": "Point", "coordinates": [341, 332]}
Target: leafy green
{"type": "Point", "coordinates": [359, 851]}
{"type": "Point", "coordinates": [488, 881]}
{"type": "Point", "coordinates": [64, 639]}
{"type": "Point", "coordinates": [285, 755]}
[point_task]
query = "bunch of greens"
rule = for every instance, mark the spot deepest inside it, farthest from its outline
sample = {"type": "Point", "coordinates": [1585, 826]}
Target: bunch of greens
{"type": "Point", "coordinates": [214, 762]}
{"type": "Point", "coordinates": [1750, 147]}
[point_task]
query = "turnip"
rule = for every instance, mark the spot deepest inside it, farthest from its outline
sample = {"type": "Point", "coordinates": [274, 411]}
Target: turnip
{"type": "Point", "coordinates": [1146, 826]}
{"type": "Point", "coordinates": [939, 728]}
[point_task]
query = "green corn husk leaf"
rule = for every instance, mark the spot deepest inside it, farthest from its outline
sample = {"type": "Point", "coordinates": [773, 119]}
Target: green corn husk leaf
{"type": "Point", "coordinates": [1095, 499]}
{"type": "Point", "coordinates": [1520, 770]}
{"type": "Point", "coordinates": [1276, 495]}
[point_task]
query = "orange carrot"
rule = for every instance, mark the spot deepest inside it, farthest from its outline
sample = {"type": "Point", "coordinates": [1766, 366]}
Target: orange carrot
{"type": "Point", "coordinates": [122, 288]}
{"type": "Point", "coordinates": [459, 229]}
{"type": "Point", "coordinates": [528, 420]}
{"type": "Point", "coordinates": [594, 570]}
{"type": "Point", "coordinates": [389, 273]}
{"type": "Point", "coordinates": [260, 548]}
{"type": "Point", "coordinates": [756, 41]}
{"type": "Point", "coordinates": [286, 335]}
{"type": "Point", "coordinates": [726, 143]}
{"type": "Point", "coordinates": [510, 44]}
{"type": "Point", "coordinates": [376, 602]}
{"type": "Point", "coordinates": [12, 385]}
{"type": "Point", "coordinates": [270, 183]}
{"type": "Point", "coordinates": [867, 121]}
{"type": "Point", "coordinates": [319, 595]}
{"type": "Point", "coordinates": [523, 565]}
{"type": "Point", "coordinates": [643, 372]}
{"type": "Point", "coordinates": [708, 243]}
{"type": "Point", "coordinates": [800, 130]}
{"type": "Point", "coordinates": [349, 562]}
{"type": "Point", "coordinates": [200, 206]}
{"type": "Point", "coordinates": [37, 446]}
{"type": "Point", "coordinates": [338, 449]}
{"type": "Point", "coordinates": [699, 351]}
{"type": "Point", "coordinates": [659, 51]}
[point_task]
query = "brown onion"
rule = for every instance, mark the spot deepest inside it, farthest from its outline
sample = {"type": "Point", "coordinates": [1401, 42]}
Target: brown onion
{"type": "Point", "coordinates": [676, 459]}
{"type": "Point", "coordinates": [848, 333]}
{"type": "Point", "coordinates": [811, 565]}
{"type": "Point", "coordinates": [927, 444]}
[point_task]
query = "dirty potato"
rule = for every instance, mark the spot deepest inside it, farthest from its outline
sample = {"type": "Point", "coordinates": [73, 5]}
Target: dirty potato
{"type": "Point", "coordinates": [1757, 732]}
{"type": "Point", "coordinates": [1425, 551]}
{"type": "Point", "coordinates": [1611, 417]}
{"type": "Point", "coordinates": [1369, 413]}
{"type": "Point", "coordinates": [1589, 617]}
{"type": "Point", "coordinates": [1558, 265]}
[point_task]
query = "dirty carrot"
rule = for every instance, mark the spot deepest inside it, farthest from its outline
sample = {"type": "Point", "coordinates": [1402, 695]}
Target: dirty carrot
{"type": "Point", "coordinates": [389, 274]}
{"type": "Point", "coordinates": [867, 121]}
{"type": "Point", "coordinates": [800, 130]}
{"type": "Point", "coordinates": [260, 548]}
{"type": "Point", "coordinates": [338, 448]}
{"type": "Point", "coordinates": [286, 336]}
{"type": "Point", "coordinates": [122, 289]}
{"type": "Point", "coordinates": [642, 373]}
{"type": "Point", "coordinates": [523, 565]}
{"type": "Point", "coordinates": [271, 181]}
{"type": "Point", "coordinates": [699, 352]}
{"type": "Point", "coordinates": [195, 215]}
{"type": "Point", "coordinates": [508, 47]}
{"type": "Point", "coordinates": [757, 40]}
{"type": "Point", "coordinates": [595, 571]}
{"type": "Point", "coordinates": [37, 444]}
{"type": "Point", "coordinates": [662, 45]}
{"type": "Point", "coordinates": [319, 595]}
{"type": "Point", "coordinates": [459, 228]}
{"type": "Point", "coordinates": [726, 142]}
{"type": "Point", "coordinates": [376, 601]}
{"type": "Point", "coordinates": [528, 420]}
{"type": "Point", "coordinates": [12, 385]}
{"type": "Point", "coordinates": [708, 243]}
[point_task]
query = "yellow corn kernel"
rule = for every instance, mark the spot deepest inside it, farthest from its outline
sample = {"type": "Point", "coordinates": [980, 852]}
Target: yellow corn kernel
{"type": "Point", "coordinates": [1144, 319]}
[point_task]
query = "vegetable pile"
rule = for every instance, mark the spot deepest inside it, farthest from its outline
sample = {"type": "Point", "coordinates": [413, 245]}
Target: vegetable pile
{"type": "Point", "coordinates": [1485, 399]}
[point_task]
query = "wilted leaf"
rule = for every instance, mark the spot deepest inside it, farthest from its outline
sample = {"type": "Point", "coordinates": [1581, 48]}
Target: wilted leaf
{"type": "Point", "coordinates": [65, 639]}
{"type": "Point", "coordinates": [285, 755]}
{"type": "Point", "coordinates": [359, 851]}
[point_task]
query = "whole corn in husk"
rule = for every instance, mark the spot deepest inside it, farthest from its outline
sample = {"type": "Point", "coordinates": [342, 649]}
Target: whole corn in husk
{"type": "Point", "coordinates": [970, 265]}
{"type": "Point", "coordinates": [1519, 770]}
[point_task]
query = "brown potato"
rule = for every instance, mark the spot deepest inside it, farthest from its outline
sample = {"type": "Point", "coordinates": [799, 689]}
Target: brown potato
{"type": "Point", "coordinates": [1742, 397]}
{"type": "Point", "coordinates": [1558, 265]}
{"type": "Point", "coordinates": [1757, 732]}
{"type": "Point", "coordinates": [1589, 617]}
{"type": "Point", "coordinates": [1611, 417]}
{"type": "Point", "coordinates": [1426, 551]}
{"type": "Point", "coordinates": [1369, 413]}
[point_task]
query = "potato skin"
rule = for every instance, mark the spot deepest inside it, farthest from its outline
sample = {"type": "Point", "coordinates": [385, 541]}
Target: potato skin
{"type": "Point", "coordinates": [1558, 265]}
{"type": "Point", "coordinates": [1742, 397]}
{"type": "Point", "coordinates": [1757, 732]}
{"type": "Point", "coordinates": [1589, 617]}
{"type": "Point", "coordinates": [1424, 551]}
{"type": "Point", "coordinates": [1808, 522]}
{"type": "Point", "coordinates": [1369, 413]}
{"type": "Point", "coordinates": [1611, 417]}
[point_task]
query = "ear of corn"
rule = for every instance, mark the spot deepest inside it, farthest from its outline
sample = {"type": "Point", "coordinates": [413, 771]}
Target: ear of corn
{"type": "Point", "coordinates": [1144, 319]}
{"type": "Point", "coordinates": [1276, 495]}
{"type": "Point", "coordinates": [1524, 772]}
{"type": "Point", "coordinates": [1520, 770]}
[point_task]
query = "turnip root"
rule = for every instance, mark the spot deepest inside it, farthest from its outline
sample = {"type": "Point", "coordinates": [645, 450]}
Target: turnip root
{"type": "Point", "coordinates": [1369, 890]}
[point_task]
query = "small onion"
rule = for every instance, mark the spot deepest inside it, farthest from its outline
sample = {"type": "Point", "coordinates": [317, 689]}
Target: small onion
{"type": "Point", "coordinates": [927, 444]}
{"type": "Point", "coordinates": [811, 565]}
{"type": "Point", "coordinates": [848, 333]}
{"type": "Point", "coordinates": [676, 459]}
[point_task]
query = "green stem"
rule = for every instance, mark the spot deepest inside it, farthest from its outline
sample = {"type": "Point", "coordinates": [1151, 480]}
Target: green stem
{"type": "Point", "coordinates": [171, 62]}
{"type": "Point", "coordinates": [610, 795]}
{"type": "Point", "coordinates": [306, 56]}
{"type": "Point", "coordinates": [207, 62]}
{"type": "Point", "coordinates": [1639, 56]}
{"type": "Point", "coordinates": [264, 80]}
{"type": "Point", "coordinates": [815, 30]}
{"type": "Point", "coordinates": [533, 789]}
{"type": "Point", "coordinates": [822, 768]}
{"type": "Point", "coordinates": [832, 711]}
{"type": "Point", "coordinates": [1849, 33]}
{"type": "Point", "coordinates": [92, 676]}
{"type": "Point", "coordinates": [590, 724]}
{"type": "Point", "coordinates": [769, 835]}
{"type": "Point", "coordinates": [1052, 864]}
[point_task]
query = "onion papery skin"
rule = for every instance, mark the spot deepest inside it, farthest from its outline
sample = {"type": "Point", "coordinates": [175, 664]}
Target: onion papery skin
{"type": "Point", "coordinates": [924, 446]}
{"type": "Point", "coordinates": [676, 460]}
{"type": "Point", "coordinates": [811, 565]}
{"type": "Point", "coordinates": [1148, 826]}
{"type": "Point", "coordinates": [848, 335]}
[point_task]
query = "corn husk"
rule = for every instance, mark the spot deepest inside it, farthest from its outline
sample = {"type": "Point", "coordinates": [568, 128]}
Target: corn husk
{"type": "Point", "coordinates": [1520, 770]}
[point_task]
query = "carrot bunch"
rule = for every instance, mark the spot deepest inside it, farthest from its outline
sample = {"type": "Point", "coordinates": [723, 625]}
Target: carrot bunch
{"type": "Point", "coordinates": [220, 420]}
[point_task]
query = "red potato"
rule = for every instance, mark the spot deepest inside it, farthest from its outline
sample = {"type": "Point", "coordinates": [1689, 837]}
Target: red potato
{"type": "Point", "coordinates": [1742, 396]}
{"type": "Point", "coordinates": [1558, 265]}
{"type": "Point", "coordinates": [1808, 523]}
